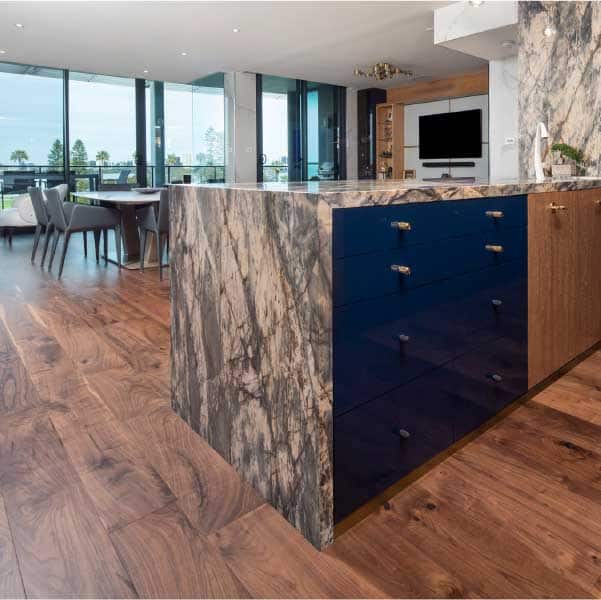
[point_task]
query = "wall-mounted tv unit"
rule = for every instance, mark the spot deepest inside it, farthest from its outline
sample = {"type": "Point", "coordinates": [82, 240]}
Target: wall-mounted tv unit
{"type": "Point", "coordinates": [451, 135]}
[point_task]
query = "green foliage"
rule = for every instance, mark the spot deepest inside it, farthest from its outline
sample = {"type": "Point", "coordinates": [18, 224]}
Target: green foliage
{"type": "Point", "coordinates": [55, 156]}
{"type": "Point", "coordinates": [215, 146]}
{"type": "Point", "coordinates": [19, 156]}
{"type": "Point", "coordinates": [102, 156]}
{"type": "Point", "coordinates": [568, 152]}
{"type": "Point", "coordinates": [173, 160]}
{"type": "Point", "coordinates": [79, 156]}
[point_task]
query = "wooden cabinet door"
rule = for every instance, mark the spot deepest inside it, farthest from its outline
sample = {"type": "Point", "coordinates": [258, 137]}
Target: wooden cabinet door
{"type": "Point", "coordinates": [588, 268]}
{"type": "Point", "coordinates": [553, 304]}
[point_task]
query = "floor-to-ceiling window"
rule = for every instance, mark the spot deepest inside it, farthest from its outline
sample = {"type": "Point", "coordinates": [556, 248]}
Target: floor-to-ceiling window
{"type": "Point", "coordinates": [185, 130]}
{"type": "Point", "coordinates": [31, 128]}
{"type": "Point", "coordinates": [102, 129]}
{"type": "Point", "coordinates": [301, 130]}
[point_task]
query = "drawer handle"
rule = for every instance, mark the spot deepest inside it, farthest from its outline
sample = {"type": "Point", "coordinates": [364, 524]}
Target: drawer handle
{"type": "Point", "coordinates": [404, 434]}
{"type": "Point", "coordinates": [598, 202]}
{"type": "Point", "coordinates": [496, 378]}
{"type": "Point", "coordinates": [555, 207]}
{"type": "Point", "coordinates": [495, 214]}
{"type": "Point", "coordinates": [494, 248]}
{"type": "Point", "coordinates": [401, 225]}
{"type": "Point", "coordinates": [403, 338]}
{"type": "Point", "coordinates": [401, 269]}
{"type": "Point", "coordinates": [496, 303]}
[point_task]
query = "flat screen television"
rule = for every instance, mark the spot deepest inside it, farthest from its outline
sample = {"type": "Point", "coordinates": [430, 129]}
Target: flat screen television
{"type": "Point", "coordinates": [451, 135]}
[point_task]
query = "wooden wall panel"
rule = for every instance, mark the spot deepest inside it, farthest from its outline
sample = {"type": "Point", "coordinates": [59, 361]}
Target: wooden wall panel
{"type": "Point", "coordinates": [469, 84]}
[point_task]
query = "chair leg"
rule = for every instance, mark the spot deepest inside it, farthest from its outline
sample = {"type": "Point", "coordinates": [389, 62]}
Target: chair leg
{"type": "Point", "coordinates": [160, 253]}
{"type": "Point", "coordinates": [10, 236]}
{"type": "Point", "coordinates": [64, 252]}
{"type": "Point", "coordinates": [97, 245]}
{"type": "Point", "coordinates": [49, 229]}
{"type": "Point", "coordinates": [118, 243]}
{"type": "Point", "coordinates": [143, 235]}
{"type": "Point", "coordinates": [56, 233]}
{"type": "Point", "coordinates": [36, 241]}
{"type": "Point", "coordinates": [105, 239]}
{"type": "Point", "coordinates": [85, 243]}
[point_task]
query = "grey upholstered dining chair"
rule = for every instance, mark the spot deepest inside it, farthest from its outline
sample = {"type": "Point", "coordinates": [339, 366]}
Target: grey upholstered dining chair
{"type": "Point", "coordinates": [67, 220]}
{"type": "Point", "coordinates": [38, 200]}
{"type": "Point", "coordinates": [149, 221]}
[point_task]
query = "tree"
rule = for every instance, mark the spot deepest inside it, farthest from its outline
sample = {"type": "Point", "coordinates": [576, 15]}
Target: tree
{"type": "Point", "coordinates": [214, 144]}
{"type": "Point", "coordinates": [79, 155]}
{"type": "Point", "coordinates": [102, 156]}
{"type": "Point", "coordinates": [19, 156]}
{"type": "Point", "coordinates": [55, 156]}
{"type": "Point", "coordinates": [173, 160]}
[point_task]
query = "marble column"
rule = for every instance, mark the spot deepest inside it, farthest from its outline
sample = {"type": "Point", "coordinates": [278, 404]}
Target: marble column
{"type": "Point", "coordinates": [560, 77]}
{"type": "Point", "coordinates": [241, 127]}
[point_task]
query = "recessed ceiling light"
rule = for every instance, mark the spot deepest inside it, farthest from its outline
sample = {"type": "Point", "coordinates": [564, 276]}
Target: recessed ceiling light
{"type": "Point", "coordinates": [508, 44]}
{"type": "Point", "coordinates": [2, 51]}
{"type": "Point", "coordinates": [184, 54]}
{"type": "Point", "coordinates": [145, 71]}
{"type": "Point", "coordinates": [429, 28]}
{"type": "Point", "coordinates": [476, 2]}
{"type": "Point", "coordinates": [19, 25]}
{"type": "Point", "coordinates": [236, 30]}
{"type": "Point", "coordinates": [549, 31]}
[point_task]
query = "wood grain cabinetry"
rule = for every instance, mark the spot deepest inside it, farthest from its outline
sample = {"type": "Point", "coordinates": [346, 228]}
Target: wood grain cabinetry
{"type": "Point", "coordinates": [564, 258]}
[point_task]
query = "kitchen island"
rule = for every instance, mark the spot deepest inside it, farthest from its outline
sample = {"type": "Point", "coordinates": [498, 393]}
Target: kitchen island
{"type": "Point", "coordinates": [328, 338]}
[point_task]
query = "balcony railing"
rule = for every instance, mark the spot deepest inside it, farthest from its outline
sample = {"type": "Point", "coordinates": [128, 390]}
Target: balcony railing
{"type": "Point", "coordinates": [14, 180]}
{"type": "Point", "coordinates": [279, 173]}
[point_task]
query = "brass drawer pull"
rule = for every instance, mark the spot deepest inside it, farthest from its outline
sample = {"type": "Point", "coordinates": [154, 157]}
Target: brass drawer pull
{"type": "Point", "coordinates": [494, 248]}
{"type": "Point", "coordinates": [598, 202]}
{"type": "Point", "coordinates": [401, 269]}
{"type": "Point", "coordinates": [495, 214]}
{"type": "Point", "coordinates": [403, 338]}
{"type": "Point", "coordinates": [404, 434]}
{"type": "Point", "coordinates": [401, 225]}
{"type": "Point", "coordinates": [496, 378]}
{"type": "Point", "coordinates": [555, 207]}
{"type": "Point", "coordinates": [496, 303]}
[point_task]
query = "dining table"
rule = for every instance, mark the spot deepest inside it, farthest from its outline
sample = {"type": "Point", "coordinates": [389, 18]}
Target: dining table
{"type": "Point", "coordinates": [126, 202]}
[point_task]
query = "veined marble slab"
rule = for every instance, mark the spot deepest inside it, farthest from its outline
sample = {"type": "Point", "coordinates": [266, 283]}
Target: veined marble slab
{"type": "Point", "coordinates": [251, 297]}
{"type": "Point", "coordinates": [351, 193]}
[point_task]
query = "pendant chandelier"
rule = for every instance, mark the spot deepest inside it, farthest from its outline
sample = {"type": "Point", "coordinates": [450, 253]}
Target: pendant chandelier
{"type": "Point", "coordinates": [382, 71]}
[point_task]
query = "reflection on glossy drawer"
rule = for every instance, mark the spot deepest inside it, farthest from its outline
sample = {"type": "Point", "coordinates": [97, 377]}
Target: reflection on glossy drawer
{"type": "Point", "coordinates": [380, 442]}
{"type": "Point", "coordinates": [369, 229]}
{"type": "Point", "coordinates": [383, 343]}
{"type": "Point", "coordinates": [486, 380]}
{"type": "Point", "coordinates": [372, 275]}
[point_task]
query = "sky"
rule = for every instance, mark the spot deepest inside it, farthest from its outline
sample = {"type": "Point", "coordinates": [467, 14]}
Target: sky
{"type": "Point", "coordinates": [102, 116]}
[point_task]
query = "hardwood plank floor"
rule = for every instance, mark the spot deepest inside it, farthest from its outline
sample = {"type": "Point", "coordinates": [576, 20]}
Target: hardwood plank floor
{"type": "Point", "coordinates": [105, 492]}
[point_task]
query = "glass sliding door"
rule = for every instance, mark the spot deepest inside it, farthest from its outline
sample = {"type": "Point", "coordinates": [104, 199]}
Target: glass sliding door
{"type": "Point", "coordinates": [185, 130]}
{"type": "Point", "coordinates": [31, 129]}
{"type": "Point", "coordinates": [300, 131]}
{"type": "Point", "coordinates": [280, 154]}
{"type": "Point", "coordinates": [102, 130]}
{"type": "Point", "coordinates": [325, 115]}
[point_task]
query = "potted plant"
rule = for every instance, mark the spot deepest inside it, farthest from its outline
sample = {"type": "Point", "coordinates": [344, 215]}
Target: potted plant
{"type": "Point", "coordinates": [567, 161]}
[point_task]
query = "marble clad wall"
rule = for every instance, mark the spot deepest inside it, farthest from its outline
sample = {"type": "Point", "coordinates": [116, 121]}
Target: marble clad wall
{"type": "Point", "coordinates": [560, 78]}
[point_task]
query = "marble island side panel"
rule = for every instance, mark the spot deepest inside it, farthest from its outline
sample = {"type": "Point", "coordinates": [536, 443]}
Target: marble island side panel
{"type": "Point", "coordinates": [251, 341]}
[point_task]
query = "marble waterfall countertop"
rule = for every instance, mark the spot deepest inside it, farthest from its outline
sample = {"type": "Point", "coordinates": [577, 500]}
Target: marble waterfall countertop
{"type": "Point", "coordinates": [353, 192]}
{"type": "Point", "coordinates": [252, 324]}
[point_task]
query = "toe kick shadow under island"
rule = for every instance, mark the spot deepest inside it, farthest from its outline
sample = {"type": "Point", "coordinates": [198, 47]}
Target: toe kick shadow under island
{"type": "Point", "coordinates": [328, 338]}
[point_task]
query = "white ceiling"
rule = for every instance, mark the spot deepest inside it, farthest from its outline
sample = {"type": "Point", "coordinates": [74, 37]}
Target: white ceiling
{"type": "Point", "coordinates": [316, 41]}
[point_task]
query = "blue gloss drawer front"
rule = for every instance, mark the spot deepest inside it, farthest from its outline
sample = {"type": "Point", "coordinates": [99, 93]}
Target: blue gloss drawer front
{"type": "Point", "coordinates": [371, 229]}
{"type": "Point", "coordinates": [383, 343]}
{"type": "Point", "coordinates": [378, 274]}
{"type": "Point", "coordinates": [422, 358]}
{"type": "Point", "coordinates": [384, 440]}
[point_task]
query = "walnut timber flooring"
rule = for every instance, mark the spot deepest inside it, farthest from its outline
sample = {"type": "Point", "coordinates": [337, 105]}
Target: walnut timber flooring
{"type": "Point", "coordinates": [105, 492]}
